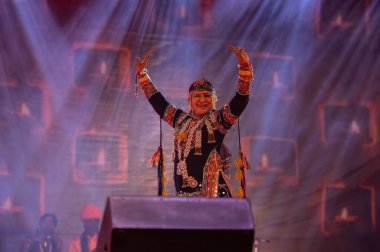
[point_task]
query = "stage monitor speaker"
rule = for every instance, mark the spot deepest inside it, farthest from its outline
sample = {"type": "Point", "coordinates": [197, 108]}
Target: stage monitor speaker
{"type": "Point", "coordinates": [176, 224]}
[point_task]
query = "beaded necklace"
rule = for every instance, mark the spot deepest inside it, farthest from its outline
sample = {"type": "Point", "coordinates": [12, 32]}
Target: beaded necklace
{"type": "Point", "coordinates": [189, 136]}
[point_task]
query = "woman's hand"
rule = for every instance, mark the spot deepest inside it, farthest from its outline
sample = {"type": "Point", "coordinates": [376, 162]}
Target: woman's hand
{"type": "Point", "coordinates": [141, 64]}
{"type": "Point", "coordinates": [241, 54]}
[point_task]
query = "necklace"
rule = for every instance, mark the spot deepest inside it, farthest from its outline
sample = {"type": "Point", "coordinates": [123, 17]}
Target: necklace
{"type": "Point", "coordinates": [189, 136]}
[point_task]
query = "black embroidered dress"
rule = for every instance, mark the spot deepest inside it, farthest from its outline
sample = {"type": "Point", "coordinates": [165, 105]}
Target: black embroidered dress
{"type": "Point", "coordinates": [198, 140]}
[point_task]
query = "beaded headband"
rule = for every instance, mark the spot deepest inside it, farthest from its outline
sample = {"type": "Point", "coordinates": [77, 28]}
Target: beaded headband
{"type": "Point", "coordinates": [201, 84]}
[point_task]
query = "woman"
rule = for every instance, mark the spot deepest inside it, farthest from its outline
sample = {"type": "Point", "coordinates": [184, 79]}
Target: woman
{"type": "Point", "coordinates": [199, 133]}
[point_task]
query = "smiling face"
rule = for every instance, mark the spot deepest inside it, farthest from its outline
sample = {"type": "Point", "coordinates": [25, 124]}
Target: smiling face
{"type": "Point", "coordinates": [201, 102]}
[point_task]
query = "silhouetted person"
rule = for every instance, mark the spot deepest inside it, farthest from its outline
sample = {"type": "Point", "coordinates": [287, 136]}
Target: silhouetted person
{"type": "Point", "coordinates": [45, 239]}
{"type": "Point", "coordinates": [86, 242]}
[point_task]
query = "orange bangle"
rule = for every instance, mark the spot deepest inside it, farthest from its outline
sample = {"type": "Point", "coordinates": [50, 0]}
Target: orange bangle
{"type": "Point", "coordinates": [142, 73]}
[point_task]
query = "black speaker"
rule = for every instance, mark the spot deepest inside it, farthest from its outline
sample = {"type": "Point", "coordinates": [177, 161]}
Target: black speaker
{"type": "Point", "coordinates": [176, 224]}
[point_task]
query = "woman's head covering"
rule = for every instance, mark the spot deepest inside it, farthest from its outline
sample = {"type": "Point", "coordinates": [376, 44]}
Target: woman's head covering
{"type": "Point", "coordinates": [201, 84]}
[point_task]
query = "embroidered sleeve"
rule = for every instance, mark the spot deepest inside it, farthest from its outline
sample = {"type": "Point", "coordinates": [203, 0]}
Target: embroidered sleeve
{"type": "Point", "coordinates": [149, 88]}
{"type": "Point", "coordinates": [146, 84]}
{"type": "Point", "coordinates": [243, 87]}
{"type": "Point", "coordinates": [169, 113]}
{"type": "Point", "coordinates": [245, 78]}
{"type": "Point", "coordinates": [226, 118]}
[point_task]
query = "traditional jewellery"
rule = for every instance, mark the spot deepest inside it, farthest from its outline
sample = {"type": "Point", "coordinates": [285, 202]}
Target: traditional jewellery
{"type": "Point", "coordinates": [246, 72]}
{"type": "Point", "coordinates": [189, 136]}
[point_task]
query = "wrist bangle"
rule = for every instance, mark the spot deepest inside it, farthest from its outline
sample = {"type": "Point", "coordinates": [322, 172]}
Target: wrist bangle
{"type": "Point", "coordinates": [245, 66]}
{"type": "Point", "coordinates": [143, 78]}
{"type": "Point", "coordinates": [245, 72]}
{"type": "Point", "coordinates": [142, 73]}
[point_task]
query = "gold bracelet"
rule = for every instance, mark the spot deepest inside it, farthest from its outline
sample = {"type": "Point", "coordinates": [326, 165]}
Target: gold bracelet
{"type": "Point", "coordinates": [143, 78]}
{"type": "Point", "coordinates": [245, 72]}
{"type": "Point", "coordinates": [142, 73]}
{"type": "Point", "coordinates": [245, 66]}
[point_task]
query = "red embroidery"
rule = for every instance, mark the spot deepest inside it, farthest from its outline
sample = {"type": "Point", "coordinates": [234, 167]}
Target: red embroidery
{"type": "Point", "coordinates": [228, 116]}
{"type": "Point", "coordinates": [169, 114]}
{"type": "Point", "coordinates": [149, 90]}
{"type": "Point", "coordinates": [243, 87]}
{"type": "Point", "coordinates": [211, 171]}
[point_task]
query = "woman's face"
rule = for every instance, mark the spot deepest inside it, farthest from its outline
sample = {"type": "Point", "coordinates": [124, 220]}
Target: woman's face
{"type": "Point", "coordinates": [201, 102]}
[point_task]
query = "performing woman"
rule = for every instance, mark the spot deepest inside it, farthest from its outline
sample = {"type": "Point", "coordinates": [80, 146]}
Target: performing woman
{"type": "Point", "coordinates": [199, 133]}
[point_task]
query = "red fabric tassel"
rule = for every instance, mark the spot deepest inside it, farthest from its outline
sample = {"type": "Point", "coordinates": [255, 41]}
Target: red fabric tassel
{"type": "Point", "coordinates": [155, 158]}
{"type": "Point", "coordinates": [244, 161]}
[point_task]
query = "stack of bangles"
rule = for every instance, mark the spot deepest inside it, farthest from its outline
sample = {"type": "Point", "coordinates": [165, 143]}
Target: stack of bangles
{"type": "Point", "coordinates": [143, 76]}
{"type": "Point", "coordinates": [145, 83]}
{"type": "Point", "coordinates": [245, 72]}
